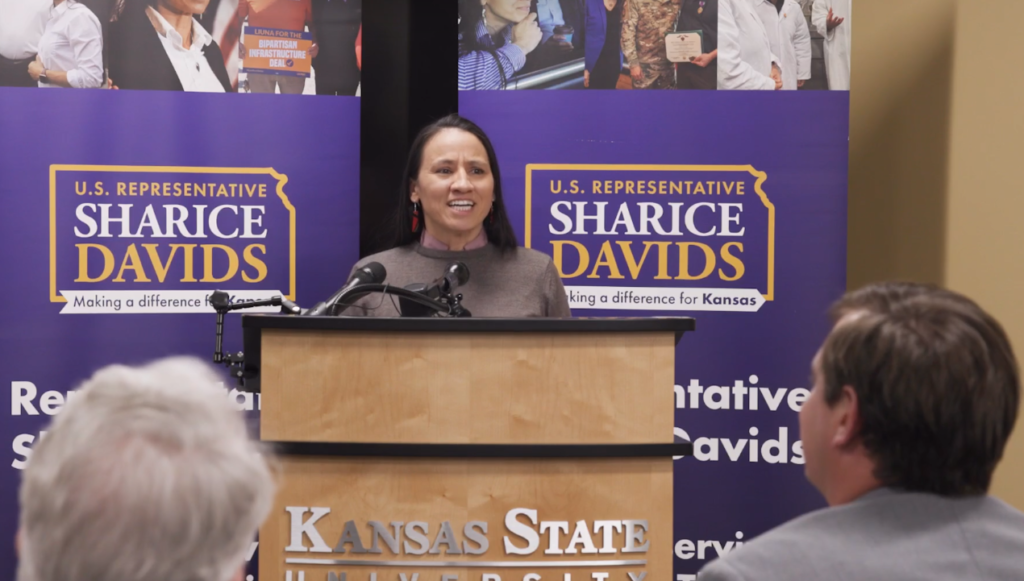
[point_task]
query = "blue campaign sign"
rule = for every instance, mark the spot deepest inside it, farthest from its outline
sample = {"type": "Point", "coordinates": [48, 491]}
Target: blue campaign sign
{"type": "Point", "coordinates": [124, 210]}
{"type": "Point", "coordinates": [726, 206]}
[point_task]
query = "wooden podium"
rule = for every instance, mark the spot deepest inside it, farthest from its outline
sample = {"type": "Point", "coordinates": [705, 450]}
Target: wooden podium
{"type": "Point", "coordinates": [467, 449]}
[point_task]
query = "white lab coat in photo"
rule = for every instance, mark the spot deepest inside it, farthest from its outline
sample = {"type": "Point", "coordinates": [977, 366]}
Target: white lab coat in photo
{"type": "Point", "coordinates": [790, 39]}
{"type": "Point", "coordinates": [837, 42]}
{"type": "Point", "coordinates": [744, 52]}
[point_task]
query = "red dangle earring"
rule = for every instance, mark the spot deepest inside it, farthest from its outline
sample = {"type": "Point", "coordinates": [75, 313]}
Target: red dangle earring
{"type": "Point", "coordinates": [415, 216]}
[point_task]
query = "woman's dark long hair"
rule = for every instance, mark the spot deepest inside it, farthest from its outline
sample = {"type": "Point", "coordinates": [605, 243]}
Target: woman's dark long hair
{"type": "Point", "coordinates": [470, 15]}
{"type": "Point", "coordinates": [499, 229]}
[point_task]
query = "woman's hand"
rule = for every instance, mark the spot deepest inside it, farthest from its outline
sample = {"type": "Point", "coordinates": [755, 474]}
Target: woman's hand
{"type": "Point", "coordinates": [35, 68]}
{"type": "Point", "coordinates": [586, 78]}
{"type": "Point", "coordinates": [832, 21]}
{"type": "Point", "coordinates": [526, 34]}
{"type": "Point", "coordinates": [703, 60]}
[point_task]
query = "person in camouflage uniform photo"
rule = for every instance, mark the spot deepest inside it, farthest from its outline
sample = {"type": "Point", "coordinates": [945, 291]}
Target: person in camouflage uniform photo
{"type": "Point", "coordinates": [644, 26]}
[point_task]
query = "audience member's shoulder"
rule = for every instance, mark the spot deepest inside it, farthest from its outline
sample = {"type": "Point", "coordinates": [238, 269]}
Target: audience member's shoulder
{"type": "Point", "coordinates": [816, 544]}
{"type": "Point", "coordinates": [995, 523]}
{"type": "Point", "coordinates": [771, 555]}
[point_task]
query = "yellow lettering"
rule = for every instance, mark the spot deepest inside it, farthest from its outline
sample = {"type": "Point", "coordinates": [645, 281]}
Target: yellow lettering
{"type": "Point", "coordinates": [208, 262]}
{"type": "Point", "coordinates": [733, 261]}
{"type": "Point", "coordinates": [189, 275]}
{"type": "Point", "coordinates": [631, 262]}
{"type": "Point", "coordinates": [154, 258]}
{"type": "Point", "coordinates": [251, 260]}
{"type": "Point", "coordinates": [596, 187]}
{"type": "Point", "coordinates": [83, 262]}
{"type": "Point", "coordinates": [684, 260]}
{"type": "Point", "coordinates": [132, 262]}
{"type": "Point", "coordinates": [557, 257]}
{"type": "Point", "coordinates": [606, 257]}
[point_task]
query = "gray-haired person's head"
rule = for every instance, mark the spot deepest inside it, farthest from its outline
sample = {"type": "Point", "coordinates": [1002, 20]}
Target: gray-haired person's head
{"type": "Point", "coordinates": [148, 473]}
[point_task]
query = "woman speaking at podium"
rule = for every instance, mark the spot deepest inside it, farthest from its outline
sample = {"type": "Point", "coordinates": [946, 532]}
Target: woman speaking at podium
{"type": "Point", "coordinates": [451, 209]}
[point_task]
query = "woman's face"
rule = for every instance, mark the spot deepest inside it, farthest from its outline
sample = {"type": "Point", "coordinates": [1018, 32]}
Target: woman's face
{"type": "Point", "coordinates": [455, 185]}
{"type": "Point", "coordinates": [510, 11]}
{"type": "Point", "coordinates": [185, 6]}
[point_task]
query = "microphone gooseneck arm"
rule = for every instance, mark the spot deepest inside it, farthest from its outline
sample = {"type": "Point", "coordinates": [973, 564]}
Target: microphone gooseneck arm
{"type": "Point", "coordinates": [452, 308]}
{"type": "Point", "coordinates": [221, 303]}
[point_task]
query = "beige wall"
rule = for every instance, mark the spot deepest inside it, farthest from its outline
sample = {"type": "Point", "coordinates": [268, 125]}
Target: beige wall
{"type": "Point", "coordinates": [937, 159]}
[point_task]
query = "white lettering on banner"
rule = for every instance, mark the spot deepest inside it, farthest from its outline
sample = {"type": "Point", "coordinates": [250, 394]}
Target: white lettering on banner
{"type": "Point", "coordinates": [686, 549]}
{"type": "Point", "coordinates": [738, 396]}
{"type": "Point", "coordinates": [743, 397]}
{"type": "Point", "coordinates": [26, 400]}
{"type": "Point", "coordinates": [174, 223]}
{"type": "Point", "coordinates": [664, 298]}
{"type": "Point", "coordinates": [772, 451]}
{"type": "Point", "coordinates": [21, 447]}
{"type": "Point", "coordinates": [23, 394]}
{"type": "Point", "coordinates": [163, 301]}
{"type": "Point", "coordinates": [725, 222]}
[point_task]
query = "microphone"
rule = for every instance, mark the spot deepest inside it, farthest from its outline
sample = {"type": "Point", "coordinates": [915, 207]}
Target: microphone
{"type": "Point", "coordinates": [455, 275]}
{"type": "Point", "coordinates": [221, 301]}
{"type": "Point", "coordinates": [372, 273]}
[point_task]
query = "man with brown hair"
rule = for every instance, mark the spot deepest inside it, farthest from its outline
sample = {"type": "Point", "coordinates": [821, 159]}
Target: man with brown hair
{"type": "Point", "coordinates": [916, 391]}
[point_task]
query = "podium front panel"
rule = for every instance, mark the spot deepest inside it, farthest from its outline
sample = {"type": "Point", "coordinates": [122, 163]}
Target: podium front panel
{"type": "Point", "coordinates": [452, 387]}
{"type": "Point", "coordinates": [470, 520]}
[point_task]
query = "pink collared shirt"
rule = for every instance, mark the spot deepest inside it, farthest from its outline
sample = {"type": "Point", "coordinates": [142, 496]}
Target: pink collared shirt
{"type": "Point", "coordinates": [428, 241]}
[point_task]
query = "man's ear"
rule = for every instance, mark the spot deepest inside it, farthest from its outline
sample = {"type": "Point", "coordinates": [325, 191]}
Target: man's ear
{"type": "Point", "coordinates": [847, 418]}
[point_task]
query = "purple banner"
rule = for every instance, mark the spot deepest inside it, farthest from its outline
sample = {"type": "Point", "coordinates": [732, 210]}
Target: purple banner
{"type": "Point", "coordinates": [125, 209]}
{"type": "Point", "coordinates": [726, 206]}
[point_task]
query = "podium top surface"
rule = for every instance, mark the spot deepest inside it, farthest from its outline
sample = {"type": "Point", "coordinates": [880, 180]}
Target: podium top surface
{"type": "Point", "coordinates": [677, 325]}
